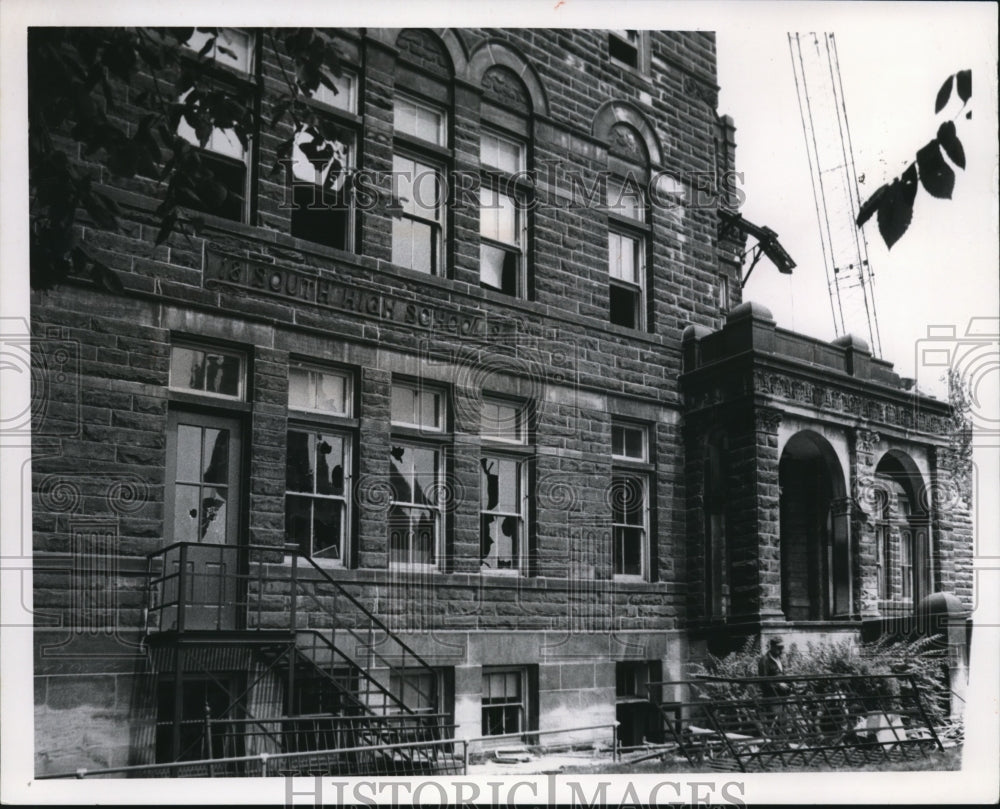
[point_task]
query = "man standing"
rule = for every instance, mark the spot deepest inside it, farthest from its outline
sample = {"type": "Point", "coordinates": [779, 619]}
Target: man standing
{"type": "Point", "coordinates": [770, 665]}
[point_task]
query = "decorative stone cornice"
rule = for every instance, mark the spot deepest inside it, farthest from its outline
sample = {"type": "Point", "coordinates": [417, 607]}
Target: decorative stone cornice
{"type": "Point", "coordinates": [834, 398]}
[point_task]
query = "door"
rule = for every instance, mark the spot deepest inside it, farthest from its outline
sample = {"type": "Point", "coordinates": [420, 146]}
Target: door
{"type": "Point", "coordinates": [202, 510]}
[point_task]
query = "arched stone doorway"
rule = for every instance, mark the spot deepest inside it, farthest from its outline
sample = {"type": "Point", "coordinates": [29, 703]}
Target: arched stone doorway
{"type": "Point", "coordinates": [816, 579]}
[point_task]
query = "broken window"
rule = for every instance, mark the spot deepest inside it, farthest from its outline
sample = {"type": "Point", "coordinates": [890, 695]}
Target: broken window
{"type": "Point", "coordinates": [318, 463]}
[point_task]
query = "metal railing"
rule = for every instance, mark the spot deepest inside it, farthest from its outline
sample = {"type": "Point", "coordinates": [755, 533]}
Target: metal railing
{"type": "Point", "coordinates": [438, 756]}
{"type": "Point", "coordinates": [448, 757]}
{"type": "Point", "coordinates": [217, 589]}
{"type": "Point", "coordinates": [761, 723]}
{"type": "Point", "coordinates": [193, 586]}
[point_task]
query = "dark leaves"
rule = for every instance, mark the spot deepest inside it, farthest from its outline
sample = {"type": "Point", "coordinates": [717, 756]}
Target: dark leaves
{"type": "Point", "coordinates": [896, 209]}
{"type": "Point", "coordinates": [963, 85]}
{"type": "Point", "coordinates": [952, 146]}
{"type": "Point", "coordinates": [944, 94]}
{"type": "Point", "coordinates": [936, 175]}
{"type": "Point", "coordinates": [872, 205]}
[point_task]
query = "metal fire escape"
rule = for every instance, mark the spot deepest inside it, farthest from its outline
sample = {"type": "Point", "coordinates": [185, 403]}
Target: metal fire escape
{"type": "Point", "coordinates": [835, 185]}
{"type": "Point", "coordinates": [262, 663]}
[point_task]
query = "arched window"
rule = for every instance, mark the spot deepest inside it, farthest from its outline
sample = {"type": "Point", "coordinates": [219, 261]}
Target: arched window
{"type": "Point", "coordinates": [902, 535]}
{"type": "Point", "coordinates": [422, 156]}
{"type": "Point", "coordinates": [628, 229]}
{"type": "Point", "coordinates": [505, 194]}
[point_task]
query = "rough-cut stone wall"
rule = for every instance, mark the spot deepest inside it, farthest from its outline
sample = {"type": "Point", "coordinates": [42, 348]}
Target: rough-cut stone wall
{"type": "Point", "coordinates": [100, 439]}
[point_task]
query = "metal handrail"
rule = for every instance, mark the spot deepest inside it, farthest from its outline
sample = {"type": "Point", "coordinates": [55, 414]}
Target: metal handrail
{"type": "Point", "coordinates": [252, 570]}
{"type": "Point", "coordinates": [371, 616]}
{"type": "Point", "coordinates": [264, 758]}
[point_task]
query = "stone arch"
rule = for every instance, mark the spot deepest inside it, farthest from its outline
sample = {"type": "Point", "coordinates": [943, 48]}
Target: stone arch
{"type": "Point", "coordinates": [425, 48]}
{"type": "Point", "coordinates": [493, 52]}
{"type": "Point", "coordinates": [897, 464]}
{"type": "Point", "coordinates": [615, 112]}
{"type": "Point", "coordinates": [902, 531]}
{"type": "Point", "coordinates": [454, 46]}
{"type": "Point", "coordinates": [817, 576]}
{"type": "Point", "coordinates": [504, 86]}
{"type": "Point", "coordinates": [627, 141]}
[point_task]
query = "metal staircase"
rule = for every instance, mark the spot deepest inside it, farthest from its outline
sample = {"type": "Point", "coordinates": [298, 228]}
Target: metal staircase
{"type": "Point", "coordinates": [312, 675]}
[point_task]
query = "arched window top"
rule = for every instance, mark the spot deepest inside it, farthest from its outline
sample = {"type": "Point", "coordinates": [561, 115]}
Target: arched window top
{"type": "Point", "coordinates": [614, 113]}
{"type": "Point", "coordinates": [503, 87]}
{"type": "Point", "coordinates": [424, 48]}
{"type": "Point", "coordinates": [492, 53]}
{"type": "Point", "coordinates": [627, 143]}
{"type": "Point", "coordinates": [897, 468]}
{"type": "Point", "coordinates": [807, 445]}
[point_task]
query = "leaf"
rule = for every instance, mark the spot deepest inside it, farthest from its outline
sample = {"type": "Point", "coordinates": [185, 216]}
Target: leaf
{"type": "Point", "coordinates": [944, 94]}
{"type": "Point", "coordinates": [951, 144]}
{"type": "Point", "coordinates": [871, 205]}
{"type": "Point", "coordinates": [279, 111]}
{"type": "Point", "coordinates": [963, 84]}
{"type": "Point", "coordinates": [896, 209]}
{"type": "Point", "coordinates": [936, 175]}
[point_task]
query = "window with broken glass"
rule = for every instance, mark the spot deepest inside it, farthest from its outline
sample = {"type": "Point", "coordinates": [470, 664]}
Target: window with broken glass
{"type": "Point", "coordinates": [503, 488]}
{"type": "Point", "coordinates": [321, 166]}
{"type": "Point", "coordinates": [320, 446]}
{"type": "Point", "coordinates": [224, 153]}
{"type": "Point", "coordinates": [416, 519]}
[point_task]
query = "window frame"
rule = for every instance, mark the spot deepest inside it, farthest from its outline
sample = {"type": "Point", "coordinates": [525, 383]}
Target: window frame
{"type": "Point", "coordinates": [523, 702]}
{"type": "Point", "coordinates": [438, 224]}
{"type": "Point", "coordinates": [342, 203]}
{"type": "Point", "coordinates": [344, 117]}
{"type": "Point", "coordinates": [416, 436]}
{"type": "Point", "coordinates": [242, 82]}
{"type": "Point", "coordinates": [344, 425]}
{"type": "Point", "coordinates": [207, 350]}
{"type": "Point", "coordinates": [513, 449]}
{"type": "Point", "coordinates": [637, 230]}
{"type": "Point", "coordinates": [508, 185]}
{"type": "Point", "coordinates": [642, 472]}
{"type": "Point", "coordinates": [639, 47]}
{"type": "Point", "coordinates": [441, 140]}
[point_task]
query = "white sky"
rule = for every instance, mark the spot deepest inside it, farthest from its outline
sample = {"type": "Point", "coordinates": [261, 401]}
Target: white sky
{"type": "Point", "coordinates": [893, 59]}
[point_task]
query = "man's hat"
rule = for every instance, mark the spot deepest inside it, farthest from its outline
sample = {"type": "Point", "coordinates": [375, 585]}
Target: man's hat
{"type": "Point", "coordinates": [775, 642]}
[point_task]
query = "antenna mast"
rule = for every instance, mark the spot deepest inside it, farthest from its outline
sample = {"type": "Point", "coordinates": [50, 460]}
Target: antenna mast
{"type": "Point", "coordinates": [849, 275]}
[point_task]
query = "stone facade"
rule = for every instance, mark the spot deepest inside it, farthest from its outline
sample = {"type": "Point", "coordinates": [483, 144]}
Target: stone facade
{"type": "Point", "coordinates": [102, 440]}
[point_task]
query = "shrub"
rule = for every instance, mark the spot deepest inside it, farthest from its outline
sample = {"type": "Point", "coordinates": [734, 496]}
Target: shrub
{"type": "Point", "coordinates": [923, 658]}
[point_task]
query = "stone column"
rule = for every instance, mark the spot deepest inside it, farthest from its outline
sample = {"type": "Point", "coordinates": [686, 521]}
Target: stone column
{"type": "Point", "coordinates": [766, 421]}
{"type": "Point", "coordinates": [864, 443]}
{"type": "Point", "coordinates": [754, 507]}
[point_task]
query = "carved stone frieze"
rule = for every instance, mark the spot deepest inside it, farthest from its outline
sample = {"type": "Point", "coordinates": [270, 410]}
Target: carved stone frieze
{"type": "Point", "coordinates": [828, 397]}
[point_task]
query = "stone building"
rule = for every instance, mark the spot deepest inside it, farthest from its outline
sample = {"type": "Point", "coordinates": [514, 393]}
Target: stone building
{"type": "Point", "coordinates": [504, 453]}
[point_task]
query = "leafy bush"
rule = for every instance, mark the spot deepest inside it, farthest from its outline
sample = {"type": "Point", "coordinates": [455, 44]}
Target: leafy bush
{"type": "Point", "coordinates": [923, 658]}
